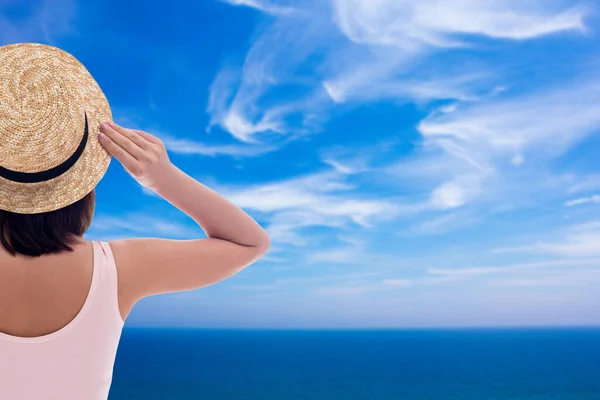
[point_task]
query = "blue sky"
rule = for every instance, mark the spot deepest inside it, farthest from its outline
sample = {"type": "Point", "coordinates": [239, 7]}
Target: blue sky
{"type": "Point", "coordinates": [417, 164]}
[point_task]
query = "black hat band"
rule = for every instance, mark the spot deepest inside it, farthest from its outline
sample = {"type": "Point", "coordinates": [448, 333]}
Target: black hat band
{"type": "Point", "coordinates": [41, 176]}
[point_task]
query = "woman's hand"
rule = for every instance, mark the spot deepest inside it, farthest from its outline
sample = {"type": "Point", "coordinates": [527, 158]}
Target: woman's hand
{"type": "Point", "coordinates": [143, 156]}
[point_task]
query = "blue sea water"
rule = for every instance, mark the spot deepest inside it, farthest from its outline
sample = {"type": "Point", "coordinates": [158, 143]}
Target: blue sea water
{"type": "Point", "coordinates": [453, 364]}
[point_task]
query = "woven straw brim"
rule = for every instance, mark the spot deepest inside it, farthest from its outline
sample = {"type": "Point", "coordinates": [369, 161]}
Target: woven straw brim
{"type": "Point", "coordinates": [45, 94]}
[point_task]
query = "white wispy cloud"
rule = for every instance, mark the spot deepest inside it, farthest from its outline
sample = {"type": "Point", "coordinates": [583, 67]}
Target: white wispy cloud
{"type": "Point", "coordinates": [482, 150]}
{"type": "Point", "coordinates": [407, 24]}
{"type": "Point", "coordinates": [264, 6]}
{"type": "Point", "coordinates": [360, 288]}
{"type": "Point", "coordinates": [479, 148]}
{"type": "Point", "coordinates": [585, 183]}
{"type": "Point", "coordinates": [186, 146]}
{"type": "Point", "coordinates": [589, 226]}
{"type": "Point", "coordinates": [583, 200]}
{"type": "Point", "coordinates": [356, 160]}
{"type": "Point", "coordinates": [416, 29]}
{"type": "Point", "coordinates": [344, 255]}
{"type": "Point", "coordinates": [382, 53]}
{"type": "Point", "coordinates": [236, 101]}
{"type": "Point", "coordinates": [354, 252]}
{"type": "Point", "coordinates": [500, 129]}
{"type": "Point", "coordinates": [480, 271]}
{"type": "Point", "coordinates": [320, 199]}
{"type": "Point", "coordinates": [344, 168]}
{"type": "Point", "coordinates": [579, 241]}
{"type": "Point", "coordinates": [574, 277]}
{"type": "Point", "coordinates": [443, 223]}
{"type": "Point", "coordinates": [392, 79]}
{"type": "Point", "coordinates": [303, 281]}
{"type": "Point", "coordinates": [478, 143]}
{"type": "Point", "coordinates": [564, 273]}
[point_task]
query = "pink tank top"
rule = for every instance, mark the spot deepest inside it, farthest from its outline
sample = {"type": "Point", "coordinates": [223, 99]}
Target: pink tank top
{"type": "Point", "coordinates": [75, 362]}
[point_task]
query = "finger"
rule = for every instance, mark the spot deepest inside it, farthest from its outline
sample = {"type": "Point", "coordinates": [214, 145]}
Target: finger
{"type": "Point", "coordinates": [118, 152]}
{"type": "Point", "coordinates": [122, 139]}
{"type": "Point", "coordinates": [147, 136]}
{"type": "Point", "coordinates": [131, 134]}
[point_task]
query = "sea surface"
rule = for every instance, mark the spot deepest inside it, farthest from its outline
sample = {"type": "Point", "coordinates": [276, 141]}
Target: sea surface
{"type": "Point", "coordinates": [452, 364]}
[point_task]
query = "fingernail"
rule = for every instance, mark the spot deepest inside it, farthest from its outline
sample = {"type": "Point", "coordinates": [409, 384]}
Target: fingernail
{"type": "Point", "coordinates": [110, 123]}
{"type": "Point", "coordinates": [103, 126]}
{"type": "Point", "coordinates": [101, 135]}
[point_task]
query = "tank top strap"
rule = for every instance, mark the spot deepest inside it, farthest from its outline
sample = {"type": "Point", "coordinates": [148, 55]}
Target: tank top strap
{"type": "Point", "coordinates": [109, 269]}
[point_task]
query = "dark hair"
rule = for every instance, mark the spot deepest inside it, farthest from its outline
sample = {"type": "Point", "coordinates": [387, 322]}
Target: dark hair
{"type": "Point", "coordinates": [48, 232]}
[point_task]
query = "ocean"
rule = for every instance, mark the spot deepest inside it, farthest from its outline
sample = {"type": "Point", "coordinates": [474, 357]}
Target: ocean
{"type": "Point", "coordinates": [444, 364]}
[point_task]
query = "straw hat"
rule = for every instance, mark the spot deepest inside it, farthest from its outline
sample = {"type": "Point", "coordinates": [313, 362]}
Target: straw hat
{"type": "Point", "coordinates": [50, 111]}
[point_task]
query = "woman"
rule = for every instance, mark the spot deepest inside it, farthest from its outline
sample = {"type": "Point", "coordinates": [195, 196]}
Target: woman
{"type": "Point", "coordinates": [64, 300]}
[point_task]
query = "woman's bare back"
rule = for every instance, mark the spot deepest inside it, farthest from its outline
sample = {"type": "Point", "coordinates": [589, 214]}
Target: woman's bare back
{"type": "Point", "coordinates": [41, 295]}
